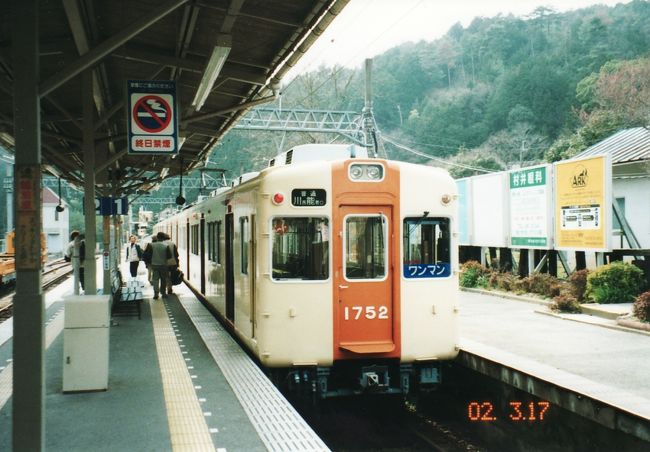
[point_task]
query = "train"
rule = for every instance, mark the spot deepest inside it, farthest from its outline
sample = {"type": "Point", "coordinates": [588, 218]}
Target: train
{"type": "Point", "coordinates": [336, 271]}
{"type": "Point", "coordinates": [7, 261]}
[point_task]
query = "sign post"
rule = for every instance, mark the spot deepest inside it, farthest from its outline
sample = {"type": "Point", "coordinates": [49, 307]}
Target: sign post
{"type": "Point", "coordinates": [152, 122]}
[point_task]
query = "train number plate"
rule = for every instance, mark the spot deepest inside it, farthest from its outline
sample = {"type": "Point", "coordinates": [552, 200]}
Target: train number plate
{"type": "Point", "coordinates": [367, 312]}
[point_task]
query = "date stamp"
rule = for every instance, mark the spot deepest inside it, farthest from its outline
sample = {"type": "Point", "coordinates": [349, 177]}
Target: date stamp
{"type": "Point", "coordinates": [517, 411]}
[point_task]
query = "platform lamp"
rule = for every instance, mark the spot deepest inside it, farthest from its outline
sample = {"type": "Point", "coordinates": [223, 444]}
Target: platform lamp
{"type": "Point", "coordinates": [60, 207]}
{"type": "Point", "coordinates": [179, 199]}
{"type": "Point", "coordinates": [213, 68]}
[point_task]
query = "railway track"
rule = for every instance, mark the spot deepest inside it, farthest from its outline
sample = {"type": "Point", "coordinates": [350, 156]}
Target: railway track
{"type": "Point", "coordinates": [54, 273]}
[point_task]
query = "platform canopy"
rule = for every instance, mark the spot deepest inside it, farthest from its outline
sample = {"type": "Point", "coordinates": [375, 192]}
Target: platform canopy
{"type": "Point", "coordinates": [258, 41]}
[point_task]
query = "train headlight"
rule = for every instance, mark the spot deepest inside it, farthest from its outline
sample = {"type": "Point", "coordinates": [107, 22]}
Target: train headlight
{"type": "Point", "coordinates": [278, 198]}
{"type": "Point", "coordinates": [356, 172]}
{"type": "Point", "coordinates": [360, 172]}
{"type": "Point", "coordinates": [374, 172]}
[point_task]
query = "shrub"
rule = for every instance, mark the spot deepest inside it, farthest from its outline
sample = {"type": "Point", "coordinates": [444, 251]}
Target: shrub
{"type": "Point", "coordinates": [617, 282]}
{"type": "Point", "coordinates": [578, 284]}
{"type": "Point", "coordinates": [505, 281]}
{"type": "Point", "coordinates": [470, 272]}
{"type": "Point", "coordinates": [566, 303]}
{"type": "Point", "coordinates": [542, 284]}
{"type": "Point", "coordinates": [641, 307]}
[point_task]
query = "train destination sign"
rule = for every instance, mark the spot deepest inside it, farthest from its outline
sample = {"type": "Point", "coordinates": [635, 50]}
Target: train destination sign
{"type": "Point", "coordinates": [152, 122]}
{"type": "Point", "coordinates": [308, 197]}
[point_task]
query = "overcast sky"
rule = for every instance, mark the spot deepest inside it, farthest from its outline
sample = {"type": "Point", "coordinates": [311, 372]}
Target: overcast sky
{"type": "Point", "coordinates": [366, 28]}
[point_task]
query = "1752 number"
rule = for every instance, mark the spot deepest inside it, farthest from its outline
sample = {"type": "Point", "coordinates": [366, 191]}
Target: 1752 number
{"type": "Point", "coordinates": [369, 312]}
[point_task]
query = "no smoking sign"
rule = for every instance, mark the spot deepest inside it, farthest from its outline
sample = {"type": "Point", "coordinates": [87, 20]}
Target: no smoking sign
{"type": "Point", "coordinates": [153, 128]}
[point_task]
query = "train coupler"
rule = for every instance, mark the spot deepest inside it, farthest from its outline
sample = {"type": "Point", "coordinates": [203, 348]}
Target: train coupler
{"type": "Point", "coordinates": [374, 378]}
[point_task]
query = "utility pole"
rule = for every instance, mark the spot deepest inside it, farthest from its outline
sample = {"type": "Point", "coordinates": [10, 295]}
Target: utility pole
{"type": "Point", "coordinates": [366, 115]}
{"type": "Point", "coordinates": [521, 152]}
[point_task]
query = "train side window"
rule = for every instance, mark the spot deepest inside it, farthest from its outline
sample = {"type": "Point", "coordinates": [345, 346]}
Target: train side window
{"type": "Point", "coordinates": [243, 228]}
{"type": "Point", "coordinates": [217, 243]}
{"type": "Point", "coordinates": [300, 248]}
{"type": "Point", "coordinates": [365, 247]}
{"type": "Point", "coordinates": [195, 239]}
{"type": "Point", "coordinates": [210, 241]}
{"type": "Point", "coordinates": [426, 241]}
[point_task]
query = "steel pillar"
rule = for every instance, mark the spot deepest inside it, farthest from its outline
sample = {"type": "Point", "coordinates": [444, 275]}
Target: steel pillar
{"type": "Point", "coordinates": [90, 277]}
{"type": "Point", "coordinates": [28, 429]}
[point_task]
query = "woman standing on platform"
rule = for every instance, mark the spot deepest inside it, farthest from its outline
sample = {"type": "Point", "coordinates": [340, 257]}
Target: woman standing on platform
{"type": "Point", "coordinates": [133, 256]}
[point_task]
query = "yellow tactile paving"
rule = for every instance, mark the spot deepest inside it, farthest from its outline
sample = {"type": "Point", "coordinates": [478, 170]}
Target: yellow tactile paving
{"type": "Point", "coordinates": [187, 427]}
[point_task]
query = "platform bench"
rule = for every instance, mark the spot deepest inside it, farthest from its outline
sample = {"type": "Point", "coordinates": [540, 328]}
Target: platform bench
{"type": "Point", "coordinates": [127, 298]}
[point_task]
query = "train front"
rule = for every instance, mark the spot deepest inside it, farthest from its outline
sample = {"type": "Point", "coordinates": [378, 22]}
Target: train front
{"type": "Point", "coordinates": [360, 293]}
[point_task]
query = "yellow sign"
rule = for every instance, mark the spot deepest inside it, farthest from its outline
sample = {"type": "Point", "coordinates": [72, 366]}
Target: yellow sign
{"type": "Point", "coordinates": [583, 204]}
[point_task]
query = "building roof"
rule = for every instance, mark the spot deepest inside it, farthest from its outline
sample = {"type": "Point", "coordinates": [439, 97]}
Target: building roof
{"type": "Point", "coordinates": [49, 197]}
{"type": "Point", "coordinates": [628, 145]}
{"type": "Point", "coordinates": [163, 40]}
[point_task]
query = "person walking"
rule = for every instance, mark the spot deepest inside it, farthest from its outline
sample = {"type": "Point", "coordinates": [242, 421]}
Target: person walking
{"type": "Point", "coordinates": [160, 252]}
{"type": "Point", "coordinates": [133, 256]}
{"type": "Point", "coordinates": [172, 262]}
{"type": "Point", "coordinates": [69, 253]}
{"type": "Point", "coordinates": [146, 257]}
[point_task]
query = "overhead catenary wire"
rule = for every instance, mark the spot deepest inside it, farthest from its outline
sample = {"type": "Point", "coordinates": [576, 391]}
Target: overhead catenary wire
{"type": "Point", "coordinates": [437, 159]}
{"type": "Point", "coordinates": [336, 72]}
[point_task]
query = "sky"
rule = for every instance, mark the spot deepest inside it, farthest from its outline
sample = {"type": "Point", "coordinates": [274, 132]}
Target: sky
{"type": "Point", "coordinates": [367, 28]}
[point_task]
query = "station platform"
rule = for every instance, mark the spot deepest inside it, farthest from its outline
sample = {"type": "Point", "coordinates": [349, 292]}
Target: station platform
{"type": "Point", "coordinates": [177, 381]}
{"type": "Point", "coordinates": [588, 366]}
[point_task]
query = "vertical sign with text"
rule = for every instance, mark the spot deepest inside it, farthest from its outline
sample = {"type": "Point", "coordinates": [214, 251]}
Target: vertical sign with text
{"type": "Point", "coordinates": [152, 117]}
{"type": "Point", "coordinates": [583, 204]}
{"type": "Point", "coordinates": [530, 207]}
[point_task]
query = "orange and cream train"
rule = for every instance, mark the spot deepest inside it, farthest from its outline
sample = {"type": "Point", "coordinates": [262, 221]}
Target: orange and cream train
{"type": "Point", "coordinates": [337, 271]}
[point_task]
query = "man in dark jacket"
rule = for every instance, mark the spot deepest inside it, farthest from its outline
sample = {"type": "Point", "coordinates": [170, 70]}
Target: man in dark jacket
{"type": "Point", "coordinates": [160, 252]}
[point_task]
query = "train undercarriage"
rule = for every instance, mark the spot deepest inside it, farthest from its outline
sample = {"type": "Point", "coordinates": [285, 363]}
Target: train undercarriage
{"type": "Point", "coordinates": [359, 377]}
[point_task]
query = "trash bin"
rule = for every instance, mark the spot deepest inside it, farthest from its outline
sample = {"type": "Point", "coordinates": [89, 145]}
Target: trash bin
{"type": "Point", "coordinates": [85, 343]}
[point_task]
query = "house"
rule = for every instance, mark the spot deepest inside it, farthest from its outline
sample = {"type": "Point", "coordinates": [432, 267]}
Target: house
{"type": "Point", "coordinates": [56, 225]}
{"type": "Point", "coordinates": [630, 153]}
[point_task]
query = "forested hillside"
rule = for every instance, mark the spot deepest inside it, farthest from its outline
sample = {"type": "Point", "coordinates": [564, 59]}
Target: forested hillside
{"type": "Point", "coordinates": [504, 90]}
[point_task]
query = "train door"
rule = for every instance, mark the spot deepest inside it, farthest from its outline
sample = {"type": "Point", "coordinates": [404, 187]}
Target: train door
{"type": "Point", "coordinates": [230, 273]}
{"type": "Point", "coordinates": [202, 252]}
{"type": "Point", "coordinates": [187, 247]}
{"type": "Point", "coordinates": [253, 256]}
{"type": "Point", "coordinates": [363, 282]}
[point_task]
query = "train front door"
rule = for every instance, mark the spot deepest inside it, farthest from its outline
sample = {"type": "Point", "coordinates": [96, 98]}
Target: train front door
{"type": "Point", "coordinates": [362, 281]}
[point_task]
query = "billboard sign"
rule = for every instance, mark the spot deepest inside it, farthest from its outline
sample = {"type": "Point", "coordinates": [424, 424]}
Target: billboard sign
{"type": "Point", "coordinates": [583, 204]}
{"type": "Point", "coordinates": [531, 210]}
{"type": "Point", "coordinates": [489, 210]}
{"type": "Point", "coordinates": [464, 211]}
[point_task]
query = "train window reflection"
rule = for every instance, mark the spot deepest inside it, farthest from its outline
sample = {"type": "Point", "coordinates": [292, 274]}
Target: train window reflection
{"type": "Point", "coordinates": [365, 249]}
{"type": "Point", "coordinates": [300, 248]}
{"type": "Point", "coordinates": [426, 241]}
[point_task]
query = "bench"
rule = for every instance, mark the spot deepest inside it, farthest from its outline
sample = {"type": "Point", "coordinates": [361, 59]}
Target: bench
{"type": "Point", "coordinates": [126, 298]}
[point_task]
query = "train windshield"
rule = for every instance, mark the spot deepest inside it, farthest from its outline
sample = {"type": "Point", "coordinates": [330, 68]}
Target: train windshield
{"type": "Point", "coordinates": [365, 247]}
{"type": "Point", "coordinates": [426, 241]}
{"type": "Point", "coordinates": [300, 248]}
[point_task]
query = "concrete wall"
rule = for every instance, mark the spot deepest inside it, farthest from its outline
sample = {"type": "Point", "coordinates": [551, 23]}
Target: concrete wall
{"type": "Point", "coordinates": [637, 208]}
{"type": "Point", "coordinates": [56, 228]}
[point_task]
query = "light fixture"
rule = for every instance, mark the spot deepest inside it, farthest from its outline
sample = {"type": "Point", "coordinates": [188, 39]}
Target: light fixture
{"type": "Point", "coordinates": [211, 72]}
{"type": "Point", "coordinates": [8, 139]}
